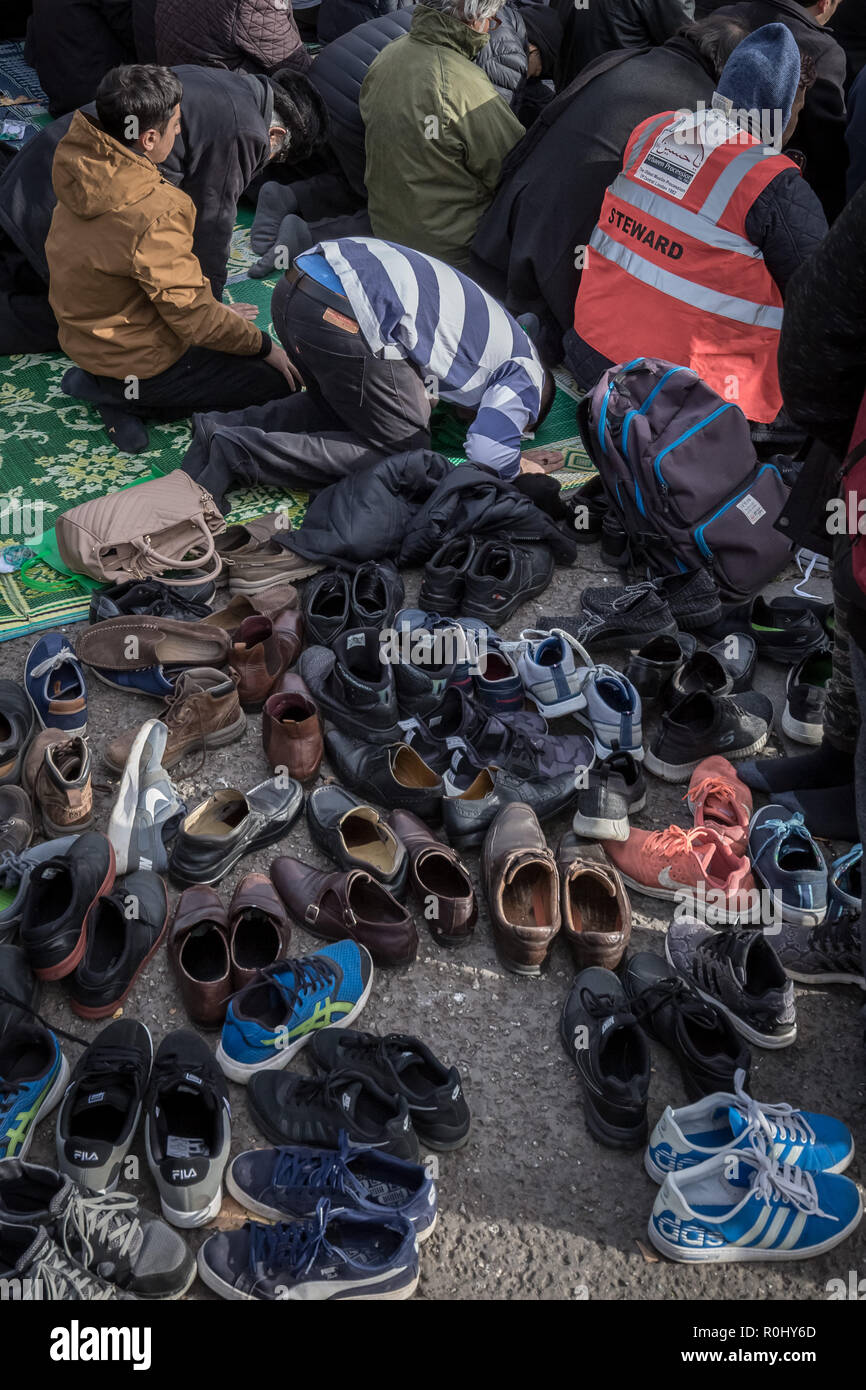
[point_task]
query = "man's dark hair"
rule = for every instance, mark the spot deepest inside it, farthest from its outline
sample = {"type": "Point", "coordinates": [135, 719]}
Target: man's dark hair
{"type": "Point", "coordinates": [301, 109]}
{"type": "Point", "coordinates": [715, 39]}
{"type": "Point", "coordinates": [548, 396]}
{"type": "Point", "coordinates": [808, 72]}
{"type": "Point", "coordinates": [136, 97]}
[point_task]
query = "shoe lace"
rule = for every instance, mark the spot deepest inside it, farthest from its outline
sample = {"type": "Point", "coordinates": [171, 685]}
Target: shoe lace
{"type": "Point", "coordinates": [174, 713]}
{"type": "Point", "coordinates": [60, 1276]}
{"type": "Point", "coordinates": [312, 1089]}
{"type": "Point", "coordinates": [776, 1182]}
{"type": "Point", "coordinates": [599, 1005]}
{"type": "Point", "coordinates": [676, 840]}
{"type": "Point", "coordinates": [294, 1168]}
{"type": "Point", "coordinates": [107, 1218]}
{"type": "Point", "coordinates": [672, 990]}
{"type": "Point", "coordinates": [287, 1247]}
{"type": "Point", "coordinates": [13, 867]}
{"type": "Point", "coordinates": [713, 786]}
{"type": "Point", "coordinates": [7, 1098]}
{"type": "Point", "coordinates": [51, 663]}
{"type": "Point", "coordinates": [794, 825]}
{"type": "Point", "coordinates": [309, 976]}
{"type": "Point", "coordinates": [775, 1121]}
{"type": "Point", "coordinates": [7, 998]}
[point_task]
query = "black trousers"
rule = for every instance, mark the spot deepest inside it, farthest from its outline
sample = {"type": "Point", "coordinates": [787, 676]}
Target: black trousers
{"type": "Point", "coordinates": [200, 380]}
{"type": "Point", "coordinates": [27, 322]}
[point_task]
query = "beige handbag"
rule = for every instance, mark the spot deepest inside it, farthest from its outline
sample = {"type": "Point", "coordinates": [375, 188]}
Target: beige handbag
{"type": "Point", "coordinates": [140, 532]}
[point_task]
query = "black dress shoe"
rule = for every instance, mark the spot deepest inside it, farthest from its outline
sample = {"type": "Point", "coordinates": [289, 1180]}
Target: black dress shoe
{"type": "Point", "coordinates": [444, 581]}
{"type": "Point", "coordinates": [153, 597]}
{"type": "Point", "coordinates": [125, 929]}
{"type": "Point", "coordinates": [18, 985]}
{"type": "Point", "coordinates": [504, 575]}
{"type": "Point", "coordinates": [657, 662]}
{"type": "Point", "coordinates": [355, 836]}
{"type": "Point", "coordinates": [394, 776]}
{"type": "Point", "coordinates": [230, 824]}
{"type": "Point", "coordinates": [705, 1044]}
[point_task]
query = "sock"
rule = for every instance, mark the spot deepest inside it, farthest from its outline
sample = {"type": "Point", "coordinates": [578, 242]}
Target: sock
{"type": "Point", "coordinates": [826, 766]}
{"type": "Point", "coordinates": [829, 812]}
{"type": "Point", "coordinates": [126, 432]}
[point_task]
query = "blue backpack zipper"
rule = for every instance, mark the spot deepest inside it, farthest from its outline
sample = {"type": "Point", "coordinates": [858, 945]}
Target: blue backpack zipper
{"type": "Point", "coordinates": [699, 533]}
{"type": "Point", "coordinates": [683, 437]}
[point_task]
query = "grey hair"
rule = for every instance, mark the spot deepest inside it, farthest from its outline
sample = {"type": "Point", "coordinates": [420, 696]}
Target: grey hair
{"type": "Point", "coordinates": [467, 10]}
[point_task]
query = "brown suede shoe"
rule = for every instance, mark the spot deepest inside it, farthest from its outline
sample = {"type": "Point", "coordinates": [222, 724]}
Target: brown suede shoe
{"type": "Point", "coordinates": [440, 880]}
{"type": "Point", "coordinates": [522, 889]}
{"type": "Point", "coordinates": [257, 657]}
{"type": "Point", "coordinates": [259, 930]}
{"type": "Point", "coordinates": [203, 713]}
{"type": "Point", "coordinates": [57, 777]}
{"type": "Point", "coordinates": [292, 729]}
{"type": "Point", "coordinates": [198, 948]}
{"type": "Point", "coordinates": [334, 906]}
{"type": "Point", "coordinates": [596, 912]}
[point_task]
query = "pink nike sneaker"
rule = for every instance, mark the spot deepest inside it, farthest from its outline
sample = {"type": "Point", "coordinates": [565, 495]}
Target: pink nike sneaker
{"type": "Point", "coordinates": [696, 868]}
{"type": "Point", "coordinates": [720, 801]}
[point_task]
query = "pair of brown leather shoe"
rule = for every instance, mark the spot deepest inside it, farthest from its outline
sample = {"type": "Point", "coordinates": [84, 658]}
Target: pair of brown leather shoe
{"type": "Point", "coordinates": [440, 880]}
{"type": "Point", "coordinates": [216, 952]}
{"type": "Point", "coordinates": [292, 729]}
{"type": "Point", "coordinates": [532, 895]}
{"type": "Point", "coordinates": [336, 905]}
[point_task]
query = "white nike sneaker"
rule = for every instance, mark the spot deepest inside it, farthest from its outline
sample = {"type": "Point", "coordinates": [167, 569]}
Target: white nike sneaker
{"type": "Point", "coordinates": [147, 804]}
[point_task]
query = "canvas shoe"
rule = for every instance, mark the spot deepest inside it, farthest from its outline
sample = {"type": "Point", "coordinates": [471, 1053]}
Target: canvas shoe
{"type": "Point", "coordinates": [187, 1129]}
{"type": "Point", "coordinates": [699, 726]}
{"type": "Point", "coordinates": [55, 685]}
{"type": "Point", "coordinates": [337, 1255]}
{"type": "Point", "coordinates": [742, 1205]}
{"type": "Point", "coordinates": [612, 790]}
{"type": "Point", "coordinates": [718, 800]}
{"type": "Point", "coordinates": [695, 868]}
{"type": "Point", "coordinates": [148, 809]}
{"type": "Point", "coordinates": [788, 861]}
{"type": "Point", "coordinates": [33, 1074]}
{"type": "Point", "coordinates": [741, 974]}
{"type": "Point", "coordinates": [275, 1016]}
{"type": "Point", "coordinates": [290, 1182]}
{"type": "Point", "coordinates": [102, 1106]}
{"type": "Point", "coordinates": [725, 1123]}
{"type": "Point", "coordinates": [611, 711]}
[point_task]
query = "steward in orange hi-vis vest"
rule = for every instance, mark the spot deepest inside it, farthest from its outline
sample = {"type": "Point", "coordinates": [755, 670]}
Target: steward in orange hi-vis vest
{"type": "Point", "coordinates": [669, 269]}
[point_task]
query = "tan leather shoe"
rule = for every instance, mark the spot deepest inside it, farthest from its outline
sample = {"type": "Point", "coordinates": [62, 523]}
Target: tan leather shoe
{"type": "Point", "coordinates": [596, 912]}
{"type": "Point", "coordinates": [57, 775]}
{"type": "Point", "coordinates": [292, 729]}
{"type": "Point", "coordinates": [203, 713]}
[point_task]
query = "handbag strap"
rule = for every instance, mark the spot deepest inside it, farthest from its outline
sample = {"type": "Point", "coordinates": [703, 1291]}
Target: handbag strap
{"type": "Point", "coordinates": [162, 562]}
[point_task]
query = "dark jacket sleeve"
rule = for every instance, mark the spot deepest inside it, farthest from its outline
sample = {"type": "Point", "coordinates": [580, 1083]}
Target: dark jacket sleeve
{"type": "Point", "coordinates": [787, 223]}
{"type": "Point", "coordinates": [855, 135]}
{"type": "Point", "coordinates": [822, 354]}
{"type": "Point", "coordinates": [820, 132]}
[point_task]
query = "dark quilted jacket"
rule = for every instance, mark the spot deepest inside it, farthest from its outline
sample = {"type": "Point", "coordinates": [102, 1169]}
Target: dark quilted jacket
{"type": "Point", "coordinates": [72, 44]}
{"type": "Point", "coordinates": [254, 35]}
{"type": "Point", "coordinates": [338, 17]}
{"type": "Point", "coordinates": [341, 67]}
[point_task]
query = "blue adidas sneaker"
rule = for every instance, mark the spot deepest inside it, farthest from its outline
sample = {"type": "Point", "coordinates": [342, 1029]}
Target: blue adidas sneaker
{"type": "Point", "coordinates": [789, 863]}
{"type": "Point", "coordinates": [280, 1183]}
{"type": "Point", "coordinates": [725, 1123]}
{"type": "Point", "coordinates": [272, 1018]}
{"type": "Point", "coordinates": [55, 685]}
{"type": "Point", "coordinates": [743, 1205]}
{"type": "Point", "coordinates": [33, 1077]}
{"type": "Point", "coordinates": [336, 1255]}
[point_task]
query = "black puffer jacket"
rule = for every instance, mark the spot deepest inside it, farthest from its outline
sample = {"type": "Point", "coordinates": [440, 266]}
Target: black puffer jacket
{"type": "Point", "coordinates": [594, 28]}
{"type": "Point", "coordinates": [223, 142]}
{"type": "Point", "coordinates": [72, 44]}
{"type": "Point", "coordinates": [341, 66]}
{"type": "Point", "coordinates": [338, 17]}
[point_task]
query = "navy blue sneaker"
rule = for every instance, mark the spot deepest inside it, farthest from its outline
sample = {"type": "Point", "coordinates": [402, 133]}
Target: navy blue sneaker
{"type": "Point", "coordinates": [272, 1018]}
{"type": "Point", "coordinates": [33, 1076]}
{"type": "Point", "coordinates": [787, 860]}
{"type": "Point", "coordinates": [55, 685]}
{"type": "Point", "coordinates": [290, 1182]}
{"type": "Point", "coordinates": [337, 1255]}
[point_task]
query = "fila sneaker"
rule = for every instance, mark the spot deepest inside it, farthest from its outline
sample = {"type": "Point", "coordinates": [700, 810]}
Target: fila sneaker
{"type": "Point", "coordinates": [97, 1122]}
{"type": "Point", "coordinates": [187, 1129]}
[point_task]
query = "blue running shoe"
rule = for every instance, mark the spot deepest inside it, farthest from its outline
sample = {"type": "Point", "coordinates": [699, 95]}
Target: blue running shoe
{"type": "Point", "coordinates": [336, 1255]}
{"type": "Point", "coordinates": [725, 1123]}
{"type": "Point", "coordinates": [55, 685]}
{"type": "Point", "coordinates": [786, 859]}
{"type": "Point", "coordinates": [280, 1183]}
{"type": "Point", "coordinates": [272, 1018]}
{"type": "Point", "coordinates": [743, 1205]}
{"type": "Point", "coordinates": [33, 1077]}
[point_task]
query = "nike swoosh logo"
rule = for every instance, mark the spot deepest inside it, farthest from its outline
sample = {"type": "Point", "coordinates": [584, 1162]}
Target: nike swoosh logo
{"type": "Point", "coordinates": [666, 881]}
{"type": "Point", "coordinates": [154, 801]}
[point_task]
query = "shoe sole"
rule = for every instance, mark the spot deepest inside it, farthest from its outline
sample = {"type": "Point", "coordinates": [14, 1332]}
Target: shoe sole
{"type": "Point", "coordinates": [189, 1220]}
{"type": "Point", "coordinates": [793, 916]}
{"type": "Point", "coordinates": [591, 828]}
{"type": "Point", "coordinates": [73, 960]}
{"type": "Point", "coordinates": [53, 831]}
{"type": "Point", "coordinates": [800, 731]}
{"type": "Point", "coordinates": [242, 1071]}
{"type": "Point", "coordinates": [751, 1034]}
{"type": "Point", "coordinates": [175, 1293]}
{"type": "Point", "coordinates": [681, 772]}
{"type": "Point", "coordinates": [830, 978]}
{"type": "Point", "coordinates": [216, 740]}
{"type": "Point", "coordinates": [103, 1010]}
{"type": "Point", "coordinates": [444, 1146]}
{"type": "Point", "coordinates": [731, 1254]}
{"type": "Point", "coordinates": [54, 1097]}
{"type": "Point", "coordinates": [228, 1291]}
{"type": "Point", "coordinates": [259, 586]}
{"type": "Point", "coordinates": [261, 1209]}
{"type": "Point", "coordinates": [557, 709]}
{"type": "Point", "coordinates": [731, 919]}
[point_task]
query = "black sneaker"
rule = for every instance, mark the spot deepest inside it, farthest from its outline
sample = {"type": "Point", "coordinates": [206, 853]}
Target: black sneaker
{"type": "Point", "coordinates": [111, 1236]}
{"type": "Point", "coordinates": [738, 653]}
{"type": "Point", "coordinates": [402, 1066]}
{"type": "Point", "coordinates": [707, 1048]}
{"type": "Point", "coordinates": [61, 894]}
{"type": "Point", "coordinates": [633, 616]}
{"type": "Point", "coordinates": [19, 987]}
{"type": "Point", "coordinates": [314, 1111]}
{"type": "Point", "coordinates": [651, 667]}
{"type": "Point", "coordinates": [155, 598]}
{"type": "Point", "coordinates": [353, 686]}
{"type": "Point", "coordinates": [699, 726]}
{"type": "Point", "coordinates": [17, 727]}
{"type": "Point", "coordinates": [420, 676]}
{"type": "Point", "coordinates": [601, 1036]}
{"type": "Point", "coordinates": [805, 696]}
{"type": "Point", "coordinates": [325, 604]}
{"type": "Point", "coordinates": [781, 633]}
{"type": "Point", "coordinates": [125, 929]}
{"type": "Point", "coordinates": [444, 581]}
{"type": "Point", "coordinates": [377, 593]}
{"type": "Point", "coordinates": [187, 1129]}
{"type": "Point", "coordinates": [692, 599]}
{"type": "Point", "coordinates": [502, 576]}
{"type": "Point", "coordinates": [741, 974]}
{"type": "Point", "coordinates": [97, 1121]}
{"type": "Point", "coordinates": [395, 776]}
{"type": "Point", "coordinates": [614, 790]}
{"type": "Point", "coordinates": [30, 1257]}
{"type": "Point", "coordinates": [829, 954]}
{"type": "Point", "coordinates": [702, 671]}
